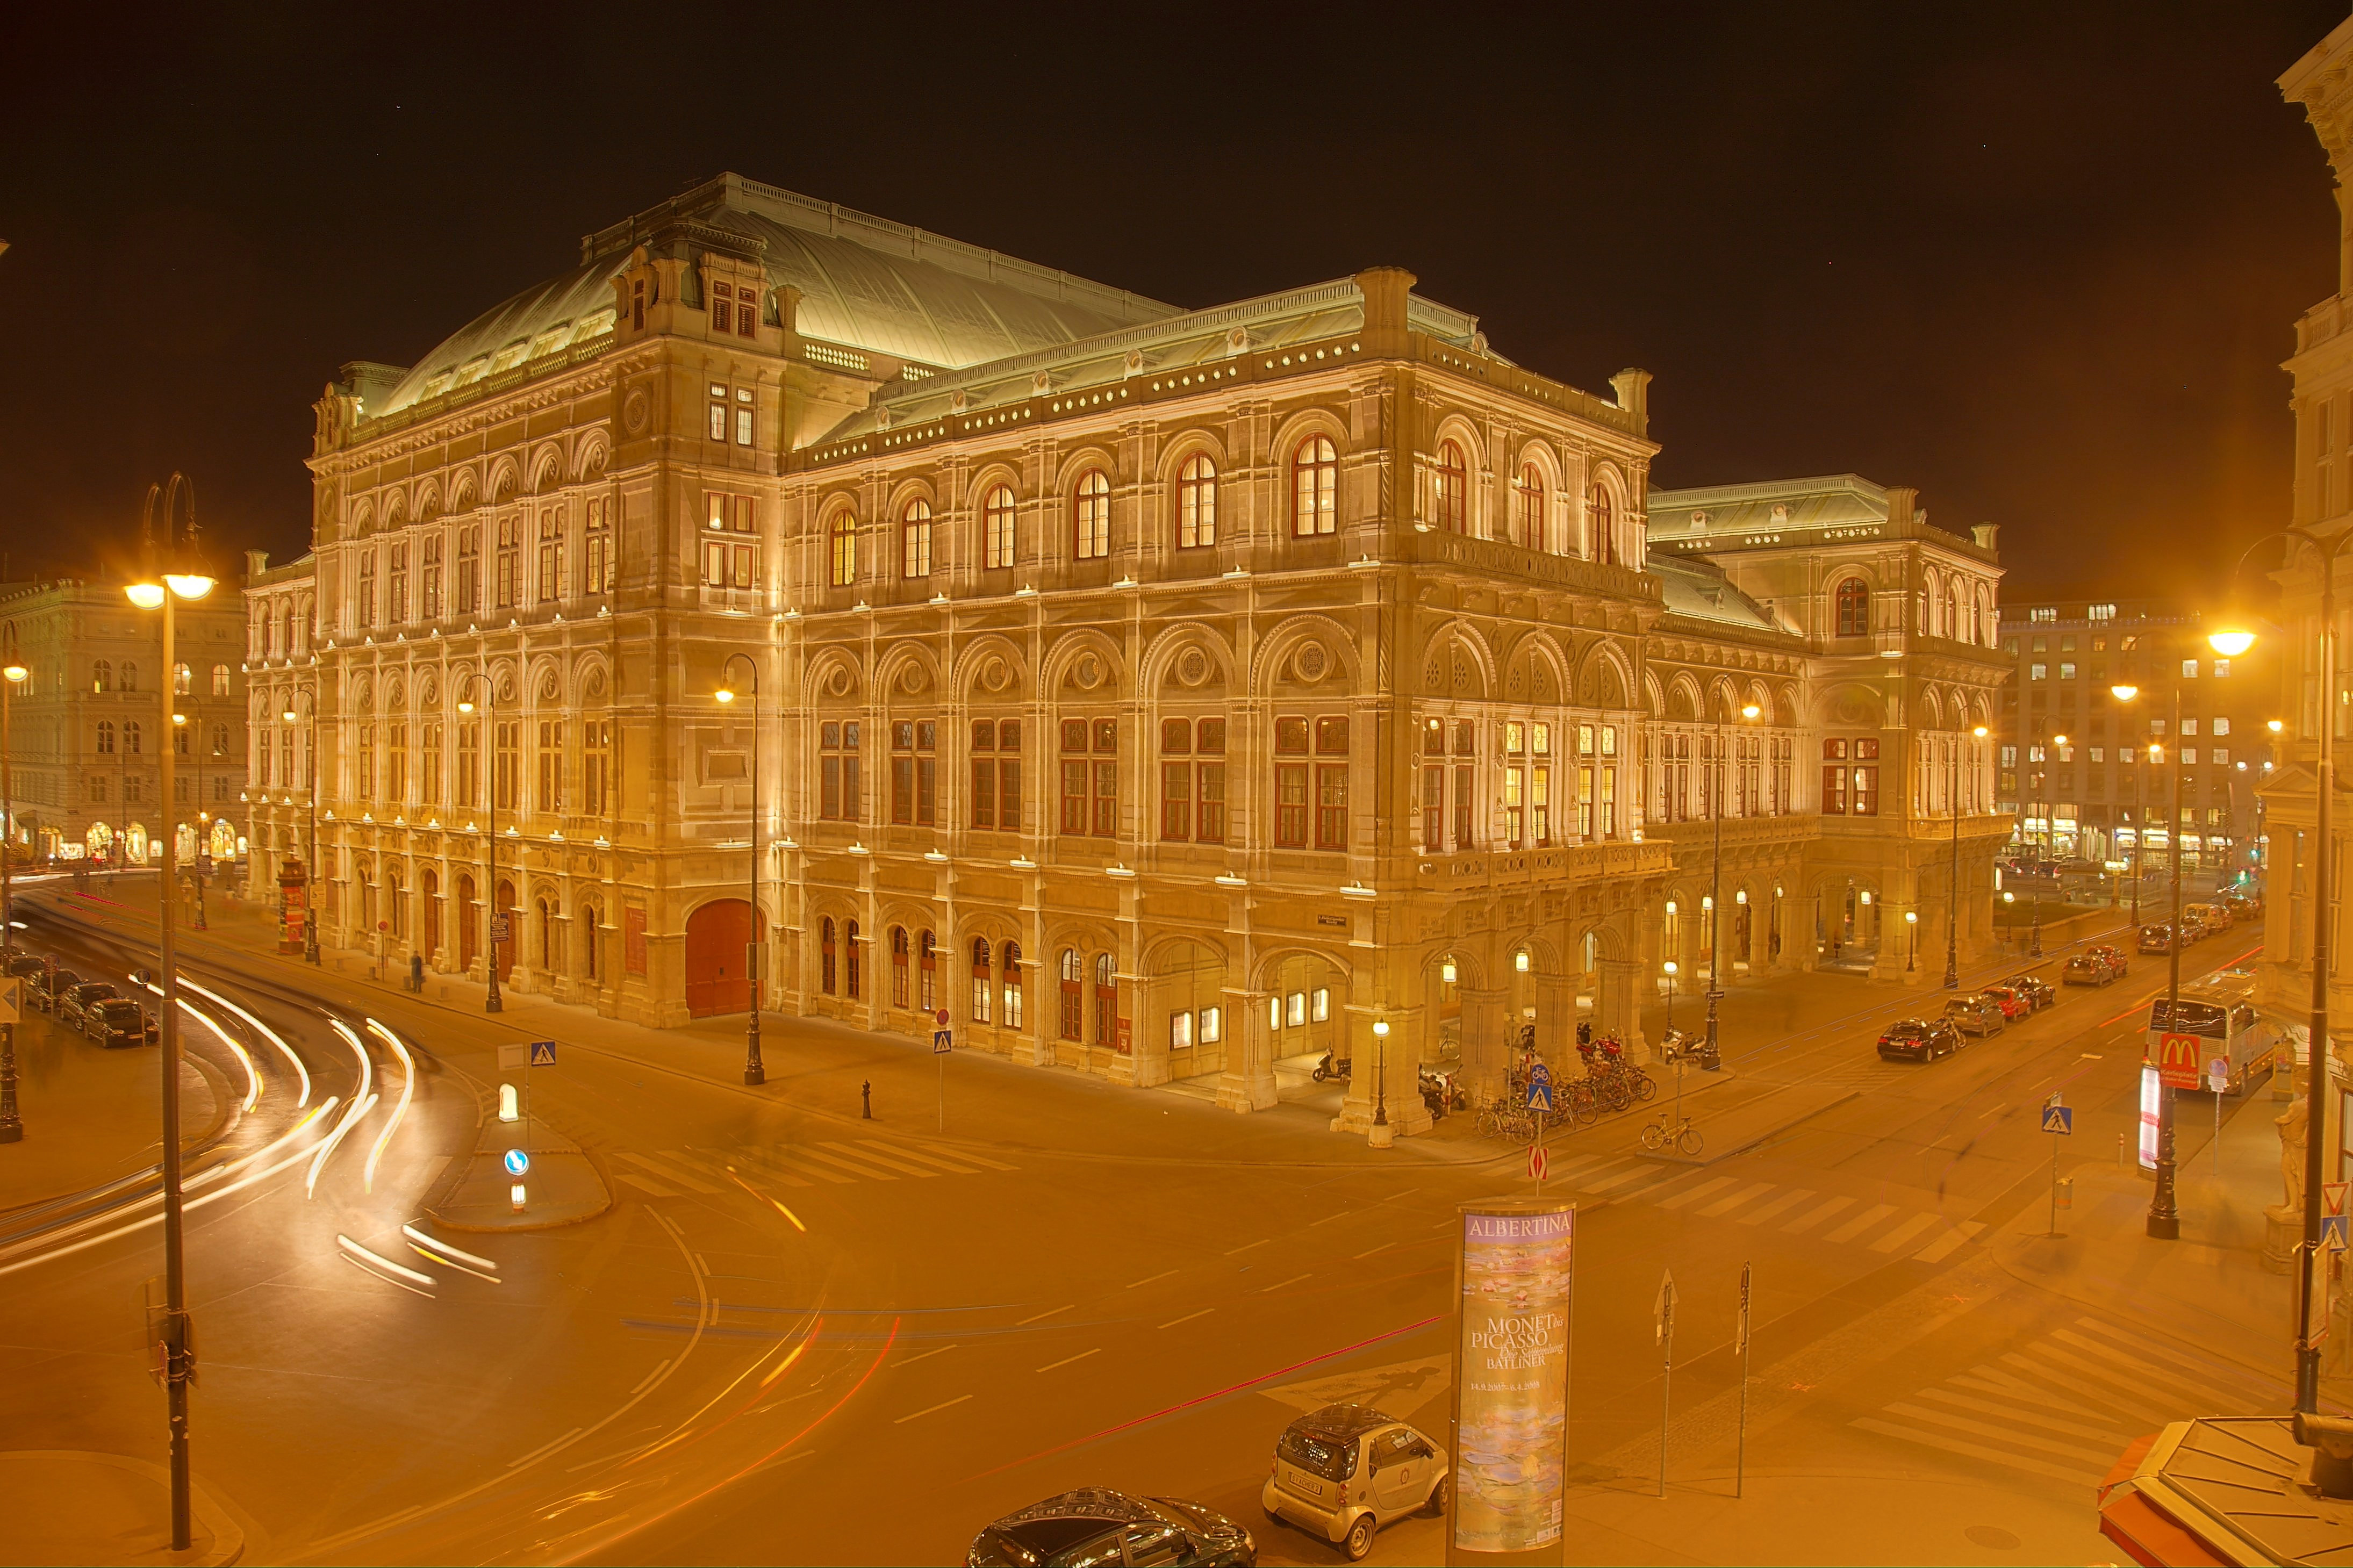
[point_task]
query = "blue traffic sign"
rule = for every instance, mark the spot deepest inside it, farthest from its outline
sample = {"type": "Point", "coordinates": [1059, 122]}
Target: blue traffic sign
{"type": "Point", "coordinates": [2332, 1232]}
{"type": "Point", "coordinates": [1540, 1073]}
{"type": "Point", "coordinates": [517, 1161]}
{"type": "Point", "coordinates": [543, 1053]}
{"type": "Point", "coordinates": [942, 1042]}
{"type": "Point", "coordinates": [2059, 1118]}
{"type": "Point", "coordinates": [1540, 1095]}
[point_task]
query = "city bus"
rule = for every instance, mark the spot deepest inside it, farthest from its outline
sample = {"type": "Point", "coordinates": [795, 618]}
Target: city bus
{"type": "Point", "coordinates": [2220, 1010]}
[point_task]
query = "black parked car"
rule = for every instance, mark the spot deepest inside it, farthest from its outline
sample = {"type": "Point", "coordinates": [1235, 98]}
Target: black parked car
{"type": "Point", "coordinates": [2037, 991]}
{"type": "Point", "coordinates": [1095, 1527]}
{"type": "Point", "coordinates": [2156, 938]}
{"type": "Point", "coordinates": [2083, 969]}
{"type": "Point", "coordinates": [119, 1021]}
{"type": "Point", "coordinates": [45, 988]}
{"type": "Point", "coordinates": [74, 1006]}
{"type": "Point", "coordinates": [1920, 1039]}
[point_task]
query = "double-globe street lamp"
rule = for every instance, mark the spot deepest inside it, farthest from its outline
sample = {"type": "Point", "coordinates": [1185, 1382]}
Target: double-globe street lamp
{"type": "Point", "coordinates": [12, 675]}
{"type": "Point", "coordinates": [755, 1070]}
{"type": "Point", "coordinates": [499, 914]}
{"type": "Point", "coordinates": [311, 808]}
{"type": "Point", "coordinates": [169, 573]}
{"type": "Point", "coordinates": [1953, 887]}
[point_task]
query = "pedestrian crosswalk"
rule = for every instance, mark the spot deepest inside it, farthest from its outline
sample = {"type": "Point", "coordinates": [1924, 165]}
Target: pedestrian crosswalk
{"type": "Point", "coordinates": [1792, 1211]}
{"type": "Point", "coordinates": [2067, 1405]}
{"type": "Point", "coordinates": [672, 1173]}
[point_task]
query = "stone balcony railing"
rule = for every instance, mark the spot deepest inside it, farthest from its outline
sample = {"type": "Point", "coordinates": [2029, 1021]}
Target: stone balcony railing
{"type": "Point", "coordinates": [1502, 869]}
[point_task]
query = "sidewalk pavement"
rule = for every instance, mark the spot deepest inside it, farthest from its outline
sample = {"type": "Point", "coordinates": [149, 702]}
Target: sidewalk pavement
{"type": "Point", "coordinates": [92, 1115]}
{"type": "Point", "coordinates": [103, 1509]}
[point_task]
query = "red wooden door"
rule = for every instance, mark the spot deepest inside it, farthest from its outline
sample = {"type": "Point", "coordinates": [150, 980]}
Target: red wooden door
{"type": "Point", "coordinates": [716, 936]}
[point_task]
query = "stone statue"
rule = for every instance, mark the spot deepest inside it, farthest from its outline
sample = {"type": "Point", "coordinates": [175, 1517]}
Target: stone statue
{"type": "Point", "coordinates": [2293, 1126]}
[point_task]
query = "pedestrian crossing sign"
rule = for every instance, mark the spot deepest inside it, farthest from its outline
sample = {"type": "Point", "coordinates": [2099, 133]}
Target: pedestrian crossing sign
{"type": "Point", "coordinates": [2059, 1118]}
{"type": "Point", "coordinates": [543, 1053]}
{"type": "Point", "coordinates": [1540, 1095]}
{"type": "Point", "coordinates": [942, 1041]}
{"type": "Point", "coordinates": [2332, 1232]}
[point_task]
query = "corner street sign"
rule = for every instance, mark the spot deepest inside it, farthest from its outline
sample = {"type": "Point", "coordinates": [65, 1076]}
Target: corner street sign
{"type": "Point", "coordinates": [942, 1042]}
{"type": "Point", "coordinates": [543, 1053]}
{"type": "Point", "coordinates": [2218, 1074]}
{"type": "Point", "coordinates": [10, 1010]}
{"type": "Point", "coordinates": [1664, 1308]}
{"type": "Point", "coordinates": [2178, 1060]}
{"type": "Point", "coordinates": [2332, 1232]}
{"type": "Point", "coordinates": [2059, 1118]}
{"type": "Point", "coordinates": [1538, 1163]}
{"type": "Point", "coordinates": [499, 930]}
{"type": "Point", "coordinates": [2334, 1192]}
{"type": "Point", "coordinates": [1539, 1094]}
{"type": "Point", "coordinates": [514, 1057]}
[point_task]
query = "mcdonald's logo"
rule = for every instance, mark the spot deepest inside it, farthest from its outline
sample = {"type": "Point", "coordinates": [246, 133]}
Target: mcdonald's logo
{"type": "Point", "coordinates": [2178, 1063]}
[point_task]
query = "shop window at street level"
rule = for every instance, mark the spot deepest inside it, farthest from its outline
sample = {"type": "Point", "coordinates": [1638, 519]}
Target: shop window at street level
{"type": "Point", "coordinates": [1072, 1013]}
{"type": "Point", "coordinates": [850, 962]}
{"type": "Point", "coordinates": [828, 957]}
{"type": "Point", "coordinates": [1012, 978]}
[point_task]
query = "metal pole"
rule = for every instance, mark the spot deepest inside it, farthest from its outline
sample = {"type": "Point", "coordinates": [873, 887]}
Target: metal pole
{"type": "Point", "coordinates": [2140, 824]}
{"type": "Point", "coordinates": [1740, 1454]}
{"type": "Point", "coordinates": [1714, 905]}
{"type": "Point", "coordinates": [755, 1070]}
{"type": "Point", "coordinates": [2318, 1080]}
{"type": "Point", "coordinates": [1953, 892]}
{"type": "Point", "coordinates": [178, 1340]}
{"type": "Point", "coordinates": [311, 809]}
{"type": "Point", "coordinates": [12, 1125]}
{"type": "Point", "coordinates": [490, 1004]}
{"type": "Point", "coordinates": [2164, 1217]}
{"type": "Point", "coordinates": [1666, 1372]}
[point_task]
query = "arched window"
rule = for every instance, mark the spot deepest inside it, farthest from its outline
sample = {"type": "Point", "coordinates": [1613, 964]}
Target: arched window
{"type": "Point", "coordinates": [997, 529]}
{"type": "Point", "coordinates": [220, 740]}
{"type": "Point", "coordinates": [1853, 608]}
{"type": "Point", "coordinates": [1090, 517]}
{"type": "Point", "coordinates": [1453, 487]}
{"type": "Point", "coordinates": [183, 679]}
{"type": "Point", "coordinates": [1314, 488]}
{"type": "Point", "coordinates": [102, 676]}
{"type": "Point", "coordinates": [927, 955]}
{"type": "Point", "coordinates": [980, 994]}
{"type": "Point", "coordinates": [841, 540]}
{"type": "Point", "coordinates": [1106, 1004]}
{"type": "Point", "coordinates": [1953, 626]}
{"type": "Point", "coordinates": [1012, 985]}
{"type": "Point", "coordinates": [1530, 494]}
{"type": "Point", "coordinates": [131, 736]}
{"type": "Point", "coordinates": [915, 539]}
{"type": "Point", "coordinates": [898, 966]}
{"type": "Point", "coordinates": [1073, 981]}
{"type": "Point", "coordinates": [1604, 513]}
{"type": "Point", "coordinates": [106, 737]}
{"type": "Point", "coordinates": [220, 680]}
{"type": "Point", "coordinates": [1984, 618]}
{"type": "Point", "coordinates": [1196, 502]}
{"type": "Point", "coordinates": [849, 961]}
{"type": "Point", "coordinates": [825, 957]}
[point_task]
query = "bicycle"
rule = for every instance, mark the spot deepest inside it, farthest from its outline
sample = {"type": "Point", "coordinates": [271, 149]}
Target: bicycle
{"type": "Point", "coordinates": [1685, 1137]}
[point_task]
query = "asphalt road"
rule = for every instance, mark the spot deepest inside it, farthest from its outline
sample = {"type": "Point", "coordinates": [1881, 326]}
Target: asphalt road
{"type": "Point", "coordinates": [802, 1337]}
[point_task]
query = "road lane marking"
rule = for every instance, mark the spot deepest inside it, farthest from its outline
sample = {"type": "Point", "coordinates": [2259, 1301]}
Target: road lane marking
{"type": "Point", "coordinates": [1154, 1278]}
{"type": "Point", "coordinates": [2032, 1418]}
{"type": "Point", "coordinates": [2269, 1389]}
{"type": "Point", "coordinates": [1369, 1251]}
{"type": "Point", "coordinates": [927, 1355]}
{"type": "Point", "coordinates": [968, 1155]}
{"type": "Point", "coordinates": [871, 1172]}
{"type": "Point", "coordinates": [644, 1183]}
{"type": "Point", "coordinates": [904, 1167]}
{"type": "Point", "coordinates": [1903, 1233]}
{"type": "Point", "coordinates": [1945, 1245]}
{"type": "Point", "coordinates": [950, 1166]}
{"type": "Point", "coordinates": [1052, 1312]}
{"type": "Point", "coordinates": [1640, 1168]}
{"type": "Point", "coordinates": [2005, 1433]}
{"type": "Point", "coordinates": [1860, 1223]}
{"type": "Point", "coordinates": [1700, 1191]}
{"type": "Point", "coordinates": [1327, 1219]}
{"type": "Point", "coordinates": [768, 1170]}
{"type": "Point", "coordinates": [544, 1450]}
{"type": "Point", "coordinates": [933, 1410]}
{"type": "Point", "coordinates": [659, 1367]}
{"type": "Point", "coordinates": [1292, 1280]}
{"type": "Point", "coordinates": [1777, 1207]}
{"type": "Point", "coordinates": [1069, 1359]}
{"type": "Point", "coordinates": [1263, 1240]}
{"type": "Point", "coordinates": [1725, 1205]}
{"type": "Point", "coordinates": [1815, 1217]}
{"type": "Point", "coordinates": [1188, 1317]}
{"type": "Point", "coordinates": [669, 1173]}
{"type": "Point", "coordinates": [1979, 1451]}
{"type": "Point", "coordinates": [1995, 1112]}
{"type": "Point", "coordinates": [784, 1161]}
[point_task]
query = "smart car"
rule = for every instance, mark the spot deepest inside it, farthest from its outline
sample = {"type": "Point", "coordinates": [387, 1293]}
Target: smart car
{"type": "Point", "coordinates": [1346, 1470]}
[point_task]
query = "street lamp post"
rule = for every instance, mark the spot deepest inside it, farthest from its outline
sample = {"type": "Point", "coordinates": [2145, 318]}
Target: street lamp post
{"type": "Point", "coordinates": [756, 1071]}
{"type": "Point", "coordinates": [12, 1125]}
{"type": "Point", "coordinates": [311, 811]}
{"type": "Point", "coordinates": [198, 866]}
{"type": "Point", "coordinates": [1953, 888]}
{"type": "Point", "coordinates": [2034, 934]}
{"type": "Point", "coordinates": [1381, 1072]}
{"type": "Point", "coordinates": [1670, 967]}
{"type": "Point", "coordinates": [489, 686]}
{"type": "Point", "coordinates": [182, 576]}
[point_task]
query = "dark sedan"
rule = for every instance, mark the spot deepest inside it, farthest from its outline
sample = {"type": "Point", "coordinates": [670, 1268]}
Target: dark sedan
{"type": "Point", "coordinates": [2035, 989]}
{"type": "Point", "coordinates": [50, 985]}
{"type": "Point", "coordinates": [1096, 1526]}
{"type": "Point", "coordinates": [2156, 938]}
{"type": "Point", "coordinates": [1919, 1039]}
{"type": "Point", "coordinates": [74, 1006]}
{"type": "Point", "coordinates": [119, 1021]}
{"type": "Point", "coordinates": [2084, 969]}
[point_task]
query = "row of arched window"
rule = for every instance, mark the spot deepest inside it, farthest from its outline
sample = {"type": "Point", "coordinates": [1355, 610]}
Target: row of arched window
{"type": "Point", "coordinates": [1315, 511]}
{"type": "Point", "coordinates": [1954, 611]}
{"type": "Point", "coordinates": [995, 993]}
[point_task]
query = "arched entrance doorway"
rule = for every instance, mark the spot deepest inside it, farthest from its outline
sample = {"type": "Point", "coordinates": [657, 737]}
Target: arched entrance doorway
{"type": "Point", "coordinates": [469, 925]}
{"type": "Point", "coordinates": [1188, 1007]}
{"type": "Point", "coordinates": [716, 937]}
{"type": "Point", "coordinates": [1306, 1016]}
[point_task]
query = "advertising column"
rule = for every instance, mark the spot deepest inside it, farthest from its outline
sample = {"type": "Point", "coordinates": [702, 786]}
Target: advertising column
{"type": "Point", "coordinates": [1514, 1281]}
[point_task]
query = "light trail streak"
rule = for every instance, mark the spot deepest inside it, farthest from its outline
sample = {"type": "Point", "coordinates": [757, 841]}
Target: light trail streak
{"type": "Point", "coordinates": [407, 1092]}
{"type": "Point", "coordinates": [245, 1060]}
{"type": "Point", "coordinates": [686, 1427]}
{"type": "Point", "coordinates": [357, 1109]}
{"type": "Point", "coordinates": [439, 1244]}
{"type": "Point", "coordinates": [353, 1248]}
{"type": "Point", "coordinates": [267, 1032]}
{"type": "Point", "coordinates": [309, 1119]}
{"type": "Point", "coordinates": [766, 1198]}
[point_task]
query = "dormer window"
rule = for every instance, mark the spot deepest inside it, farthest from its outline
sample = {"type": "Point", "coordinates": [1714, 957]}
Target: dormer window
{"type": "Point", "coordinates": [734, 307]}
{"type": "Point", "coordinates": [638, 305]}
{"type": "Point", "coordinates": [723, 308]}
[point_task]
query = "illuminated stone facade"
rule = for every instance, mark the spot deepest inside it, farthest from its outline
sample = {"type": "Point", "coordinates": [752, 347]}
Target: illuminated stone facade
{"type": "Point", "coordinates": [1162, 694]}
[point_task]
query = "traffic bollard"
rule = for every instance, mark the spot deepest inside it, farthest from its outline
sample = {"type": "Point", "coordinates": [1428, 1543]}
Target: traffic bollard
{"type": "Point", "coordinates": [866, 1099]}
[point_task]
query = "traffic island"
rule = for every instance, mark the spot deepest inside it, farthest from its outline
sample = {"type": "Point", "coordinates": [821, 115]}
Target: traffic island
{"type": "Point", "coordinates": [561, 1185]}
{"type": "Point", "coordinates": [69, 1506]}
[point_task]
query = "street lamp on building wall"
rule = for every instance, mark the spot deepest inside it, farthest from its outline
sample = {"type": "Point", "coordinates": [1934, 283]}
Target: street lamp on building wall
{"type": "Point", "coordinates": [490, 1002]}
{"type": "Point", "coordinates": [1953, 892]}
{"type": "Point", "coordinates": [310, 807]}
{"type": "Point", "coordinates": [755, 1070]}
{"type": "Point", "coordinates": [173, 573]}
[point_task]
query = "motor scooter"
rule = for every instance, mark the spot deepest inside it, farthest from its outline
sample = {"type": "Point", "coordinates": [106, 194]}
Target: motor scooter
{"type": "Point", "coordinates": [1678, 1048]}
{"type": "Point", "coordinates": [1439, 1092]}
{"type": "Point", "coordinates": [1330, 1068]}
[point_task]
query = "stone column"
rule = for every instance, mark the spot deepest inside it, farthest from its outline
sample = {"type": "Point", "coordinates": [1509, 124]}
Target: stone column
{"type": "Point", "coordinates": [1248, 1083]}
{"type": "Point", "coordinates": [1556, 1020]}
{"type": "Point", "coordinates": [1620, 1013]}
{"type": "Point", "coordinates": [1398, 1058]}
{"type": "Point", "coordinates": [1486, 1043]}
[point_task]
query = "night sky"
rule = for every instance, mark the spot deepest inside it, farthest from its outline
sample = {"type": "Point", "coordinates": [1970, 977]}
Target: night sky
{"type": "Point", "coordinates": [2041, 265]}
